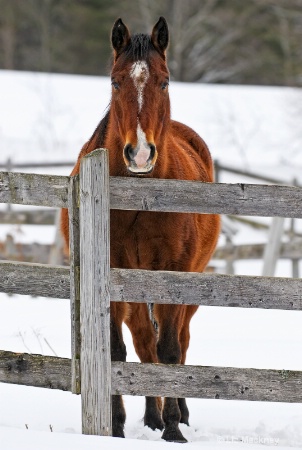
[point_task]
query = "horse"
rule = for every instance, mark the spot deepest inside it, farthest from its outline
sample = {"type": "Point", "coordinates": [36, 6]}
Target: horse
{"type": "Point", "coordinates": [143, 141]}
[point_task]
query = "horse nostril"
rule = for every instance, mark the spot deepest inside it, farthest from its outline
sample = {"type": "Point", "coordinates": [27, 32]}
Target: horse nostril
{"type": "Point", "coordinates": [128, 152]}
{"type": "Point", "coordinates": [152, 151]}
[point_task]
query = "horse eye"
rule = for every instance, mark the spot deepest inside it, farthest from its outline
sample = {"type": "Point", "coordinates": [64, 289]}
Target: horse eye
{"type": "Point", "coordinates": [164, 85]}
{"type": "Point", "coordinates": [115, 85]}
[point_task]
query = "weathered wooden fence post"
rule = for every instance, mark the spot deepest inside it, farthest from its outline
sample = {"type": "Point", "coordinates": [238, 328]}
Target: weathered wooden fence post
{"type": "Point", "coordinates": [95, 294]}
{"type": "Point", "coordinates": [74, 250]}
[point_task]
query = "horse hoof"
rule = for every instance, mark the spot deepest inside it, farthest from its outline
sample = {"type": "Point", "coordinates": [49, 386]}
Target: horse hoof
{"type": "Point", "coordinates": [174, 435]}
{"type": "Point", "coordinates": [118, 432]}
{"type": "Point", "coordinates": [155, 423]}
{"type": "Point", "coordinates": [185, 421]}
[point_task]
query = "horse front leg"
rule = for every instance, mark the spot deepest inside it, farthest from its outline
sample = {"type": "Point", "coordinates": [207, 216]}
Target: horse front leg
{"type": "Point", "coordinates": [144, 341]}
{"type": "Point", "coordinates": [169, 319]}
{"type": "Point", "coordinates": [184, 339]}
{"type": "Point", "coordinates": [118, 353]}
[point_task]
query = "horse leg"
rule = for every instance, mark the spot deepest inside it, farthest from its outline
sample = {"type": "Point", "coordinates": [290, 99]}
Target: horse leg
{"type": "Point", "coordinates": [118, 353]}
{"type": "Point", "coordinates": [144, 341]}
{"type": "Point", "coordinates": [184, 339]}
{"type": "Point", "coordinates": [169, 319]}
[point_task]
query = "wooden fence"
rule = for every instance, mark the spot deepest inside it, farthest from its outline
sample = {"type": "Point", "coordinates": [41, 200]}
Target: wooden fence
{"type": "Point", "coordinates": [54, 254]}
{"type": "Point", "coordinates": [91, 285]}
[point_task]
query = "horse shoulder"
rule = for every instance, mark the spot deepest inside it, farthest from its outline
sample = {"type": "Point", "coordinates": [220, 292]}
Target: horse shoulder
{"type": "Point", "coordinates": [188, 136]}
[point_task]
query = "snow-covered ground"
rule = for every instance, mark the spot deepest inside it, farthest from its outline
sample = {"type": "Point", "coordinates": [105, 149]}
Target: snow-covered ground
{"type": "Point", "coordinates": [47, 118]}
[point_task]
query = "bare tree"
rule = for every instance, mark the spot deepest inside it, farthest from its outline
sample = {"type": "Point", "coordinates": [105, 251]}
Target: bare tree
{"type": "Point", "coordinates": [204, 35]}
{"type": "Point", "coordinates": [216, 41]}
{"type": "Point", "coordinates": [287, 28]}
{"type": "Point", "coordinates": [7, 33]}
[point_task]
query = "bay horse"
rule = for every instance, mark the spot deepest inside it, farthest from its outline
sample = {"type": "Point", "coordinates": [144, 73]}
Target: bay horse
{"type": "Point", "coordinates": [143, 141]}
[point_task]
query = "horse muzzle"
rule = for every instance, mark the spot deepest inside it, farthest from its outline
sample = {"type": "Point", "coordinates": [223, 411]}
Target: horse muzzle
{"type": "Point", "coordinates": [141, 159]}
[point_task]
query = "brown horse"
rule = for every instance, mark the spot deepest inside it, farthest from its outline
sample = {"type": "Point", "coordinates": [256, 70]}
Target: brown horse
{"type": "Point", "coordinates": [143, 141]}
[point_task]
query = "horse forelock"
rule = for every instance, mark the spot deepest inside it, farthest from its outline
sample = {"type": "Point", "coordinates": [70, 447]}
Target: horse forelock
{"type": "Point", "coordinates": [139, 47]}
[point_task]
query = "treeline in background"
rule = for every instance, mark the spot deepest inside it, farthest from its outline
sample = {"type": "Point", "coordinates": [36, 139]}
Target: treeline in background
{"type": "Point", "coordinates": [216, 41]}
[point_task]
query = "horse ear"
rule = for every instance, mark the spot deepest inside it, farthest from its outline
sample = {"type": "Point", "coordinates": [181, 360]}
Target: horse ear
{"type": "Point", "coordinates": [160, 35]}
{"type": "Point", "coordinates": [120, 37]}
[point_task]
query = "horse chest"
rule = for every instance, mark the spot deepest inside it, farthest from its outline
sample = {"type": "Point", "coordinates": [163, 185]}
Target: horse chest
{"type": "Point", "coordinates": [146, 240]}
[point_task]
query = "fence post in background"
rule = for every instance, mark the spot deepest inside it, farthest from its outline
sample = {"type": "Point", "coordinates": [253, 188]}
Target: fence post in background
{"type": "Point", "coordinates": [74, 252]}
{"type": "Point", "coordinates": [229, 263]}
{"type": "Point", "coordinates": [217, 171]}
{"type": "Point", "coordinates": [295, 262]}
{"type": "Point", "coordinates": [95, 294]}
{"type": "Point", "coordinates": [9, 168]}
{"type": "Point", "coordinates": [272, 248]}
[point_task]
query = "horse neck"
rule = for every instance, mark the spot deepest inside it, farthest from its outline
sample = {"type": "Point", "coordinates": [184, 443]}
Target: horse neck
{"type": "Point", "coordinates": [114, 143]}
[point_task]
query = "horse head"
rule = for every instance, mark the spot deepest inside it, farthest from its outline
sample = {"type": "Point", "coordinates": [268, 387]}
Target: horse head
{"type": "Point", "coordinates": [140, 102]}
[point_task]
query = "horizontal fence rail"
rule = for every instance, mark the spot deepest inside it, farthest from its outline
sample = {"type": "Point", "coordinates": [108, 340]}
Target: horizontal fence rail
{"type": "Point", "coordinates": [34, 279]}
{"type": "Point", "coordinates": [40, 253]}
{"type": "Point", "coordinates": [35, 190]}
{"type": "Point", "coordinates": [288, 250]}
{"type": "Point", "coordinates": [206, 289]}
{"type": "Point", "coordinates": [197, 197]}
{"type": "Point", "coordinates": [144, 286]}
{"type": "Point", "coordinates": [205, 382]}
{"type": "Point", "coordinates": [226, 383]}
{"type": "Point", "coordinates": [32, 217]}
{"type": "Point", "coordinates": [35, 370]}
{"type": "Point", "coordinates": [160, 195]}
{"type": "Point", "coordinates": [247, 173]}
{"type": "Point", "coordinates": [35, 165]}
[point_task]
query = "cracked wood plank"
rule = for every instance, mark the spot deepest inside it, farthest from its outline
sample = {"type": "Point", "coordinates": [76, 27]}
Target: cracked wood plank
{"type": "Point", "coordinates": [35, 370]}
{"type": "Point", "coordinates": [34, 279]}
{"type": "Point", "coordinates": [34, 189]}
{"type": "Point", "coordinates": [198, 197]}
{"type": "Point", "coordinates": [95, 294]}
{"type": "Point", "coordinates": [160, 380]}
{"type": "Point", "coordinates": [74, 251]}
{"type": "Point", "coordinates": [227, 383]}
{"type": "Point", "coordinates": [161, 195]}
{"type": "Point", "coordinates": [160, 287]}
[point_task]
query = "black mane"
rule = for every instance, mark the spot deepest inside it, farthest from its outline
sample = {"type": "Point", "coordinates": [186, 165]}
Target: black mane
{"type": "Point", "coordinates": [100, 131]}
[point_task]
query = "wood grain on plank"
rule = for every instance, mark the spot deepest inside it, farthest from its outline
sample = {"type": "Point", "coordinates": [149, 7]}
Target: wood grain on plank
{"type": "Point", "coordinates": [35, 370]}
{"type": "Point", "coordinates": [33, 189]}
{"type": "Point", "coordinates": [160, 287]}
{"type": "Point", "coordinates": [74, 252]}
{"type": "Point", "coordinates": [161, 195]}
{"type": "Point", "coordinates": [206, 289]}
{"type": "Point", "coordinates": [34, 279]}
{"type": "Point", "coordinates": [95, 294]}
{"type": "Point", "coordinates": [207, 382]}
{"type": "Point", "coordinates": [160, 380]}
{"type": "Point", "coordinates": [215, 198]}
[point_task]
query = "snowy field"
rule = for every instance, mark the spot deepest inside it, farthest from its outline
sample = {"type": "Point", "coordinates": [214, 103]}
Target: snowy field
{"type": "Point", "coordinates": [47, 118]}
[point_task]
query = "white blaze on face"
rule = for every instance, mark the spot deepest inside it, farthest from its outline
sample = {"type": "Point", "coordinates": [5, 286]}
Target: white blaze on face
{"type": "Point", "coordinates": [139, 73]}
{"type": "Point", "coordinates": [143, 149]}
